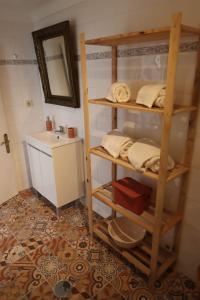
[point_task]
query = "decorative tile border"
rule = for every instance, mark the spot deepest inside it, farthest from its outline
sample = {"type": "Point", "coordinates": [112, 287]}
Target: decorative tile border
{"type": "Point", "coordinates": [12, 62]}
{"type": "Point", "coordinates": [139, 51]}
{"type": "Point", "coordinates": [136, 51]}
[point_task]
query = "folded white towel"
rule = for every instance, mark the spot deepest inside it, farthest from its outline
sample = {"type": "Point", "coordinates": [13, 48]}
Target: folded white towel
{"type": "Point", "coordinates": [119, 92]}
{"type": "Point", "coordinates": [144, 156]}
{"type": "Point", "coordinates": [152, 94]}
{"type": "Point", "coordinates": [114, 142]}
{"type": "Point", "coordinates": [124, 149]}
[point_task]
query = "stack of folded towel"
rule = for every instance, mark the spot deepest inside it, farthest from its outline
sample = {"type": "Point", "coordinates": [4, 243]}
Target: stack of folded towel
{"type": "Point", "coordinates": [143, 154]}
{"type": "Point", "coordinates": [152, 95]}
{"type": "Point", "coordinates": [119, 92]}
{"type": "Point", "coordinates": [117, 144]}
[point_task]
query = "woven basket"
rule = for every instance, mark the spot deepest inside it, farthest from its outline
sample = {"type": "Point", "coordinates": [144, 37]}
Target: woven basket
{"type": "Point", "coordinates": [125, 233]}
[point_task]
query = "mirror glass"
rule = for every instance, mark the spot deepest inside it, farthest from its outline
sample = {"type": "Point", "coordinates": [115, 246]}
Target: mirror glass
{"type": "Point", "coordinates": [57, 68]}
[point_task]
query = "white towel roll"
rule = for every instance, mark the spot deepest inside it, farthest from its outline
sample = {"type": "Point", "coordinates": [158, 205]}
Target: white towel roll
{"type": "Point", "coordinates": [152, 94]}
{"type": "Point", "coordinates": [145, 156]}
{"type": "Point", "coordinates": [115, 143]}
{"type": "Point", "coordinates": [119, 92]}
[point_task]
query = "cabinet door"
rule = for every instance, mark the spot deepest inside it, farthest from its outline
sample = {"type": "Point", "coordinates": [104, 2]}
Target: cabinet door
{"type": "Point", "coordinates": [34, 161]}
{"type": "Point", "coordinates": [48, 178]}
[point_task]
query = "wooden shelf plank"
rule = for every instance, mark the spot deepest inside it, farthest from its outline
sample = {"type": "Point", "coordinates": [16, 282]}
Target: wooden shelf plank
{"type": "Point", "coordinates": [139, 256]}
{"type": "Point", "coordinates": [141, 36]}
{"type": "Point", "coordinates": [131, 37]}
{"type": "Point", "coordinates": [146, 220]}
{"type": "Point", "coordinates": [190, 30]}
{"type": "Point", "coordinates": [176, 172]}
{"type": "Point", "coordinates": [132, 105]}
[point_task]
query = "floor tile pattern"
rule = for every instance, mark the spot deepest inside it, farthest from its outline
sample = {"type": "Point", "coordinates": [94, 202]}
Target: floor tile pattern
{"type": "Point", "coordinates": [39, 249]}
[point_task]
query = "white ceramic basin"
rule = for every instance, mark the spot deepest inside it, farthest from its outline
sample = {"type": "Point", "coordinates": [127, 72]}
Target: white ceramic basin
{"type": "Point", "coordinates": [49, 139]}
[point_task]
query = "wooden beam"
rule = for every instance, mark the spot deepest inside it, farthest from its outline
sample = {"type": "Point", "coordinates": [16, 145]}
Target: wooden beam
{"type": "Point", "coordinates": [189, 149]}
{"type": "Point", "coordinates": [114, 113]}
{"type": "Point", "coordinates": [131, 37]}
{"type": "Point", "coordinates": [191, 30]}
{"type": "Point", "coordinates": [168, 111]}
{"type": "Point", "coordinates": [87, 131]}
{"type": "Point", "coordinates": [132, 105]}
{"type": "Point", "coordinates": [168, 262]}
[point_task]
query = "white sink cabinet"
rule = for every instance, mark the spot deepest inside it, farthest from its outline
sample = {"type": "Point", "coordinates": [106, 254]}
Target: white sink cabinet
{"type": "Point", "coordinates": [56, 165]}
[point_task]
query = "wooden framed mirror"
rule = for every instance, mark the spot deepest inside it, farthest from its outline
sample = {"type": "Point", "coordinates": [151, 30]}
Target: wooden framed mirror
{"type": "Point", "coordinates": [57, 64]}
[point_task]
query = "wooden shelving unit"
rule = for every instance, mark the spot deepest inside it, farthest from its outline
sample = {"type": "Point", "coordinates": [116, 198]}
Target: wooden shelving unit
{"type": "Point", "coordinates": [149, 257]}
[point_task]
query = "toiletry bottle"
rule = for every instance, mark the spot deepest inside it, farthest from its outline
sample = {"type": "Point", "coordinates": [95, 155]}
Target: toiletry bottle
{"type": "Point", "coordinates": [48, 124]}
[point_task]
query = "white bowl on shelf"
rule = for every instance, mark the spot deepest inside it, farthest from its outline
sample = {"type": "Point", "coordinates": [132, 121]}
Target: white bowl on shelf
{"type": "Point", "coordinates": [125, 233]}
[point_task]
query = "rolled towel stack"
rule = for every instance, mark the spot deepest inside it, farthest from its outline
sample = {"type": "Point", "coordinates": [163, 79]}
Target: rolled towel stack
{"type": "Point", "coordinates": [119, 92]}
{"type": "Point", "coordinates": [152, 95]}
{"type": "Point", "coordinates": [145, 156]}
{"type": "Point", "coordinates": [116, 144]}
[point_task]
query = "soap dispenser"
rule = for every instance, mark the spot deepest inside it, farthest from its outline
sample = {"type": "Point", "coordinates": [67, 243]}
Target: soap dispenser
{"type": "Point", "coordinates": [48, 124]}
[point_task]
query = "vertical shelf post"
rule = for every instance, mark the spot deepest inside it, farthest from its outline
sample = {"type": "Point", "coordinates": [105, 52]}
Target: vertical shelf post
{"type": "Point", "coordinates": [87, 131]}
{"type": "Point", "coordinates": [166, 126]}
{"type": "Point", "coordinates": [189, 149]}
{"type": "Point", "coordinates": [114, 112]}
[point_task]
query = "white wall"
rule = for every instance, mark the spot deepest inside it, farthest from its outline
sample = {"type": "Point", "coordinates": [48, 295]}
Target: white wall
{"type": "Point", "coordinates": [99, 18]}
{"type": "Point", "coordinates": [19, 82]}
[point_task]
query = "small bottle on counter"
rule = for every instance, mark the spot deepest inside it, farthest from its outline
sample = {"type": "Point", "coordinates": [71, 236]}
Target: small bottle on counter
{"type": "Point", "coordinates": [49, 124]}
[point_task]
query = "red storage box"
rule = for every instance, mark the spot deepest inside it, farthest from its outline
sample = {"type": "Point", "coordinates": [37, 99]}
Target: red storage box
{"type": "Point", "coordinates": [132, 194]}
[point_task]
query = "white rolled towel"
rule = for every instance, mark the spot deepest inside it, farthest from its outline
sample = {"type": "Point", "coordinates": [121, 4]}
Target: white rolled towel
{"type": "Point", "coordinates": [152, 95]}
{"type": "Point", "coordinates": [119, 92]}
{"type": "Point", "coordinates": [116, 144]}
{"type": "Point", "coordinates": [145, 156]}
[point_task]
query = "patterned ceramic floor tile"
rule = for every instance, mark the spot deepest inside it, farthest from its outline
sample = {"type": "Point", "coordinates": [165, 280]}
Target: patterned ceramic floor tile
{"type": "Point", "coordinates": [110, 266]}
{"type": "Point", "coordinates": [110, 293]}
{"type": "Point", "coordinates": [60, 248]}
{"type": "Point", "coordinates": [22, 278]}
{"type": "Point", "coordinates": [71, 234]}
{"type": "Point", "coordinates": [178, 286]}
{"type": "Point", "coordinates": [46, 262]}
{"type": "Point", "coordinates": [87, 248]}
{"type": "Point", "coordinates": [43, 292]}
{"type": "Point", "coordinates": [142, 293]}
{"type": "Point", "coordinates": [21, 231]}
{"type": "Point", "coordinates": [126, 283]}
{"type": "Point", "coordinates": [7, 243]}
{"type": "Point", "coordinates": [58, 227]}
{"type": "Point", "coordinates": [32, 243]}
{"type": "Point", "coordinates": [4, 232]}
{"type": "Point", "coordinates": [77, 217]}
{"type": "Point", "coordinates": [91, 284]}
{"type": "Point", "coordinates": [87, 287]}
{"type": "Point", "coordinates": [79, 268]}
{"type": "Point", "coordinates": [11, 255]}
{"type": "Point", "coordinates": [26, 194]}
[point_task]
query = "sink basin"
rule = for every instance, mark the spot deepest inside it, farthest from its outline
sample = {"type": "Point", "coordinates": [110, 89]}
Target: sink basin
{"type": "Point", "coordinates": [51, 139]}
